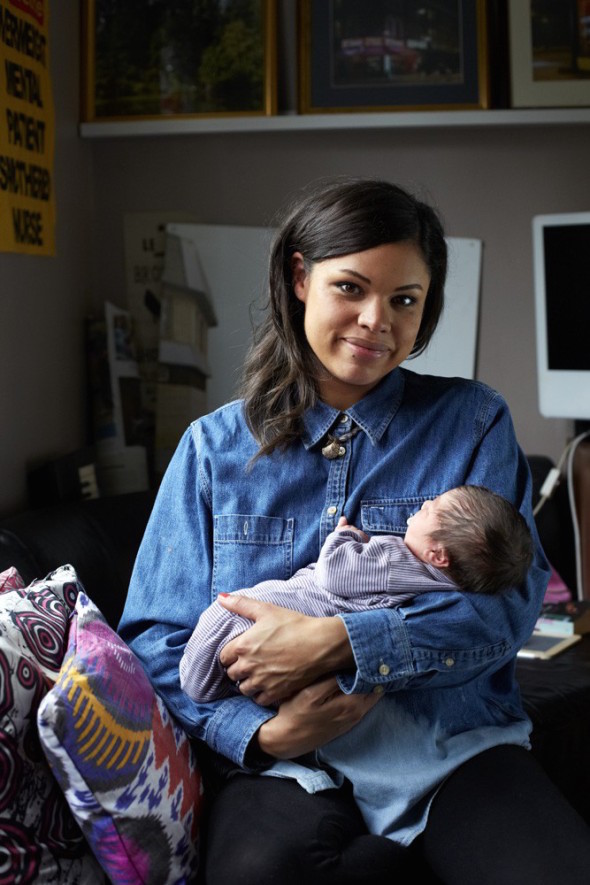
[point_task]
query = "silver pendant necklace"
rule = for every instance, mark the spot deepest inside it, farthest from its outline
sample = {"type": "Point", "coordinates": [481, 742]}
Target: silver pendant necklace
{"type": "Point", "coordinates": [334, 448]}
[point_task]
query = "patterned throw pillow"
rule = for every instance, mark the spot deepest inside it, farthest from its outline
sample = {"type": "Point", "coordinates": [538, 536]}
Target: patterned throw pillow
{"type": "Point", "coordinates": [128, 771]}
{"type": "Point", "coordinates": [39, 839]}
{"type": "Point", "coordinates": [11, 580]}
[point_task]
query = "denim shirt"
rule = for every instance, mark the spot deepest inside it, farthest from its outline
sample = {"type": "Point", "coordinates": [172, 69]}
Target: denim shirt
{"type": "Point", "coordinates": [220, 523]}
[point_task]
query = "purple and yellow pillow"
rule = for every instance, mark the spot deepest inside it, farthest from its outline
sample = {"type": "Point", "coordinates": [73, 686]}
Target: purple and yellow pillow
{"type": "Point", "coordinates": [128, 771]}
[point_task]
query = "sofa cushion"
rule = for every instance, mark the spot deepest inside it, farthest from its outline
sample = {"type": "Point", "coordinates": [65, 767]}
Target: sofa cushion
{"type": "Point", "coordinates": [128, 771]}
{"type": "Point", "coordinates": [39, 838]}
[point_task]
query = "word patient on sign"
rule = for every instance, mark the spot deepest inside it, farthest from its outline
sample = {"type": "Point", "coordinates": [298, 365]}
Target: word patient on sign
{"type": "Point", "coordinates": [26, 129]}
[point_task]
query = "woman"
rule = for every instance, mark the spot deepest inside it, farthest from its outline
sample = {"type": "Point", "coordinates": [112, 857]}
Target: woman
{"type": "Point", "coordinates": [331, 426]}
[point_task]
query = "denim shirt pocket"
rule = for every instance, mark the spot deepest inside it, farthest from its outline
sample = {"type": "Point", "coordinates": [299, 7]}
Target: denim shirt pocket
{"type": "Point", "coordinates": [390, 514]}
{"type": "Point", "coordinates": [248, 549]}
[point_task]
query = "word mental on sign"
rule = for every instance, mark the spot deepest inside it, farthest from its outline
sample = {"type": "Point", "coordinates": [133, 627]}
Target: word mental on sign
{"type": "Point", "coordinates": [23, 83]}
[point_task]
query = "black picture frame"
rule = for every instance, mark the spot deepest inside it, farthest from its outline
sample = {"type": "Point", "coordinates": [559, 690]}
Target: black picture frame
{"type": "Point", "coordinates": [549, 53]}
{"type": "Point", "coordinates": [392, 55]}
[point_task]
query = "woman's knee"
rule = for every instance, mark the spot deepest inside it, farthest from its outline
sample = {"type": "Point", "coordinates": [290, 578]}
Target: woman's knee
{"type": "Point", "coordinates": [254, 863]}
{"type": "Point", "coordinates": [265, 830]}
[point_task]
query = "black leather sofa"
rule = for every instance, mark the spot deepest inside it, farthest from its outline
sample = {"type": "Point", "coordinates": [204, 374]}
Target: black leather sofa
{"type": "Point", "coordinates": [100, 538]}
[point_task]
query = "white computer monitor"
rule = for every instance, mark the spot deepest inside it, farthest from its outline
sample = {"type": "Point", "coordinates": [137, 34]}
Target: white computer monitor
{"type": "Point", "coordinates": [561, 251]}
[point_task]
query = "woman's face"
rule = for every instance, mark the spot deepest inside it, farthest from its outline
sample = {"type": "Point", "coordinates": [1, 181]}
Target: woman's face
{"type": "Point", "coordinates": [362, 315]}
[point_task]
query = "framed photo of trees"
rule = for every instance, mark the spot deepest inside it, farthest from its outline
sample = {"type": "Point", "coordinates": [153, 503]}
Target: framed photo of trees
{"type": "Point", "coordinates": [183, 58]}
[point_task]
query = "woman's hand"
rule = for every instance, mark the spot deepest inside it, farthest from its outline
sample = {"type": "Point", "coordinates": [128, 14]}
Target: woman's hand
{"type": "Point", "coordinates": [312, 717]}
{"type": "Point", "coordinates": [283, 651]}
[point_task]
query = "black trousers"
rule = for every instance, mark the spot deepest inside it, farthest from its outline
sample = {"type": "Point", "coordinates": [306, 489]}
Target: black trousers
{"type": "Point", "coordinates": [497, 820]}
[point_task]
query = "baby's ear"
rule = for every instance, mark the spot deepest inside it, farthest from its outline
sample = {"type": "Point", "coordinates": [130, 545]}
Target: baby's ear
{"type": "Point", "coordinates": [438, 556]}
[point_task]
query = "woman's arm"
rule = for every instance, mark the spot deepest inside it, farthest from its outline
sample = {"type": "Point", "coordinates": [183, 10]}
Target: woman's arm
{"type": "Point", "coordinates": [312, 717]}
{"type": "Point", "coordinates": [170, 587]}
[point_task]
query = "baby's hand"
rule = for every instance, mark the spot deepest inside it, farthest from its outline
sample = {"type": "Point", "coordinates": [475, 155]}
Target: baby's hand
{"type": "Point", "coordinates": [343, 524]}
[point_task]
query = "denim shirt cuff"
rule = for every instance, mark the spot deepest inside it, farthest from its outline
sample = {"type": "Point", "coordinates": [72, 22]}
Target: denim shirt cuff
{"type": "Point", "coordinates": [381, 649]}
{"type": "Point", "coordinates": [239, 718]}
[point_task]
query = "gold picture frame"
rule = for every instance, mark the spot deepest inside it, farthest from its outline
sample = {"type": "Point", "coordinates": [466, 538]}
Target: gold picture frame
{"type": "Point", "coordinates": [381, 57]}
{"type": "Point", "coordinates": [549, 54]}
{"type": "Point", "coordinates": [141, 63]}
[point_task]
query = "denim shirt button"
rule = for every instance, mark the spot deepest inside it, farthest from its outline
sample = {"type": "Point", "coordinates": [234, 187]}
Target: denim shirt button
{"type": "Point", "coordinates": [384, 670]}
{"type": "Point", "coordinates": [450, 662]}
{"type": "Point", "coordinates": [332, 510]}
{"type": "Point", "coordinates": [378, 689]}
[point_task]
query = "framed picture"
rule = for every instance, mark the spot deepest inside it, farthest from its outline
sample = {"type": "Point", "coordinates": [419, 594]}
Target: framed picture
{"type": "Point", "coordinates": [150, 58]}
{"type": "Point", "coordinates": [549, 52]}
{"type": "Point", "coordinates": [392, 55]}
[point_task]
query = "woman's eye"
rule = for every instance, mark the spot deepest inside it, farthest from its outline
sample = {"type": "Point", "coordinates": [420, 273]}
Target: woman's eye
{"type": "Point", "coordinates": [404, 300]}
{"type": "Point", "coordinates": [349, 288]}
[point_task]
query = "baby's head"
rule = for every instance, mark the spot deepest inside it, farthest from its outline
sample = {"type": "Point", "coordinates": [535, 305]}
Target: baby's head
{"type": "Point", "coordinates": [480, 537]}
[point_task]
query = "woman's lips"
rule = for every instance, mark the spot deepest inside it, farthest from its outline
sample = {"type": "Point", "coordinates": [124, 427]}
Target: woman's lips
{"type": "Point", "coordinates": [367, 349]}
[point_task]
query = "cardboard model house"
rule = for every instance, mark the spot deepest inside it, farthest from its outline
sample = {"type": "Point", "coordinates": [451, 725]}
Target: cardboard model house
{"type": "Point", "coordinates": [186, 317]}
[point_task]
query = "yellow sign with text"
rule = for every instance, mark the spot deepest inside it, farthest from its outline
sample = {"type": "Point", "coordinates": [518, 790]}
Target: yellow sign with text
{"type": "Point", "coordinates": [27, 129]}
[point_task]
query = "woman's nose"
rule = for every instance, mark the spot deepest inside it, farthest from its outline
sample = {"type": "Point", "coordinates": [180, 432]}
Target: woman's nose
{"type": "Point", "coordinates": [374, 316]}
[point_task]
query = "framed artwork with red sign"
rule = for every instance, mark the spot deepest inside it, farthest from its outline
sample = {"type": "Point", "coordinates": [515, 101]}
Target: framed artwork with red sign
{"type": "Point", "coordinates": [392, 55]}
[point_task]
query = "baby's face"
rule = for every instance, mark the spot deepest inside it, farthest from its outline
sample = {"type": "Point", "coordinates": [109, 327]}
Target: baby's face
{"type": "Point", "coordinates": [422, 524]}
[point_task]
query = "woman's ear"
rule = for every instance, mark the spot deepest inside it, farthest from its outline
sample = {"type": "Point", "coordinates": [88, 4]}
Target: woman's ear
{"type": "Point", "coordinates": [299, 276]}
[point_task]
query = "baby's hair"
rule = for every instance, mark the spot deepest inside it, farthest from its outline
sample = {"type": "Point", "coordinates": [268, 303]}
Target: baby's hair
{"type": "Point", "coordinates": [487, 541]}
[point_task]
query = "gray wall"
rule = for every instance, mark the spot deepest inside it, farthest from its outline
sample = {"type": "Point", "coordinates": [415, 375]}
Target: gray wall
{"type": "Point", "coordinates": [44, 299]}
{"type": "Point", "coordinates": [488, 183]}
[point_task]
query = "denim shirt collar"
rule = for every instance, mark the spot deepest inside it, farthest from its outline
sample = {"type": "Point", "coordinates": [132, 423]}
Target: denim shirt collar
{"type": "Point", "coordinates": [373, 413]}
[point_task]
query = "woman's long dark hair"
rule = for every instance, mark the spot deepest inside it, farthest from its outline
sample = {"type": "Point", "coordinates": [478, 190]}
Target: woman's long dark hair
{"type": "Point", "coordinates": [340, 217]}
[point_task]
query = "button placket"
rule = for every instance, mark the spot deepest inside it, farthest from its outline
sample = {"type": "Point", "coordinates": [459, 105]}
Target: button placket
{"type": "Point", "coordinates": [335, 490]}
